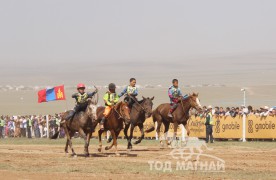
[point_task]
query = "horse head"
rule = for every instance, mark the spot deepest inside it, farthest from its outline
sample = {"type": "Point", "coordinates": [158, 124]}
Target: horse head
{"type": "Point", "coordinates": [147, 105]}
{"type": "Point", "coordinates": [194, 101]}
{"type": "Point", "coordinates": [124, 111]}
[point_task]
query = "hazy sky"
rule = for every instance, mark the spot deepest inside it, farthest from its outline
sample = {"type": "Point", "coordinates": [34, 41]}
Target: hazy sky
{"type": "Point", "coordinates": [55, 41]}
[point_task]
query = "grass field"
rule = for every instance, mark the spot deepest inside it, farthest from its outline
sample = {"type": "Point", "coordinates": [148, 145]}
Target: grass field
{"type": "Point", "coordinates": [45, 159]}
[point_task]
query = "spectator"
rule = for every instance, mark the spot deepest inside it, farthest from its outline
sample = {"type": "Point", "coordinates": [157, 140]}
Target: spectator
{"type": "Point", "coordinates": [264, 111]}
{"type": "Point", "coordinates": [228, 112]}
{"type": "Point", "coordinates": [2, 124]}
{"type": "Point", "coordinates": [221, 112]}
{"type": "Point", "coordinates": [216, 111]}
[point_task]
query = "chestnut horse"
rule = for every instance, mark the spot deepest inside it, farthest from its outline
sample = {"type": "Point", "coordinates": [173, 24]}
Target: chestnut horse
{"type": "Point", "coordinates": [180, 115]}
{"type": "Point", "coordinates": [119, 115]}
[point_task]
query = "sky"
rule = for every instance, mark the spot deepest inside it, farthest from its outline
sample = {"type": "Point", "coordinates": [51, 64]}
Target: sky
{"type": "Point", "coordinates": [199, 42]}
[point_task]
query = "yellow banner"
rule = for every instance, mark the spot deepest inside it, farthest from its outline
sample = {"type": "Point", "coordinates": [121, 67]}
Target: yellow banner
{"type": "Point", "coordinates": [224, 128]}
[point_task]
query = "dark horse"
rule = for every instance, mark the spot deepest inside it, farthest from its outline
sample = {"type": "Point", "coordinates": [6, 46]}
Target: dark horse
{"type": "Point", "coordinates": [180, 115]}
{"type": "Point", "coordinates": [83, 123]}
{"type": "Point", "coordinates": [119, 115]}
{"type": "Point", "coordinates": [139, 113]}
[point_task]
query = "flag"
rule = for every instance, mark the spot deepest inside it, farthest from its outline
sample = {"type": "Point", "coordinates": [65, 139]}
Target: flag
{"type": "Point", "coordinates": [52, 94]}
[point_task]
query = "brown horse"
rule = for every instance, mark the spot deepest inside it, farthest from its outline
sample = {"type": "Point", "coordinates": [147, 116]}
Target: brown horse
{"type": "Point", "coordinates": [180, 115]}
{"type": "Point", "coordinates": [141, 110]}
{"type": "Point", "coordinates": [114, 123]}
{"type": "Point", "coordinates": [83, 123]}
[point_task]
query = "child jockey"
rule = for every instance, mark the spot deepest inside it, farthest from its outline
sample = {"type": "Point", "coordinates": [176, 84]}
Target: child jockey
{"type": "Point", "coordinates": [110, 100]}
{"type": "Point", "coordinates": [175, 96]}
{"type": "Point", "coordinates": [131, 91]}
{"type": "Point", "coordinates": [81, 100]}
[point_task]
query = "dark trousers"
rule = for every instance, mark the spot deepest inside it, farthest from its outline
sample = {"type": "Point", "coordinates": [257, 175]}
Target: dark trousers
{"type": "Point", "coordinates": [29, 132]}
{"type": "Point", "coordinates": [209, 133]}
{"type": "Point", "coordinates": [23, 132]}
{"type": "Point", "coordinates": [1, 131]}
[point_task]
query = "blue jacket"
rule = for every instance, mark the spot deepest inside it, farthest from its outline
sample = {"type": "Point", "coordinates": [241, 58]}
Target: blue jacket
{"type": "Point", "coordinates": [133, 91]}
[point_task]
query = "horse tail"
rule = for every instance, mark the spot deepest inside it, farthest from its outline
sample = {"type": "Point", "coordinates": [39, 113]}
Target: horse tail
{"type": "Point", "coordinates": [153, 120]}
{"type": "Point", "coordinates": [55, 136]}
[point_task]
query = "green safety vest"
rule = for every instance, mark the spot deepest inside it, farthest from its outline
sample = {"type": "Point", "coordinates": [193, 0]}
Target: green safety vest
{"type": "Point", "coordinates": [2, 123]}
{"type": "Point", "coordinates": [30, 122]}
{"type": "Point", "coordinates": [210, 119]}
{"type": "Point", "coordinates": [82, 98]}
{"type": "Point", "coordinates": [57, 122]}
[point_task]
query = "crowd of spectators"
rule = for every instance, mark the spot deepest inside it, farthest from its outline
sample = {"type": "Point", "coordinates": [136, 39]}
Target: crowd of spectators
{"type": "Point", "coordinates": [239, 111]}
{"type": "Point", "coordinates": [35, 126]}
{"type": "Point", "coordinates": [29, 126]}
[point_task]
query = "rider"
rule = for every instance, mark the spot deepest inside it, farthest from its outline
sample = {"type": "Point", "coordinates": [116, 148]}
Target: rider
{"type": "Point", "coordinates": [110, 99]}
{"type": "Point", "coordinates": [131, 92]}
{"type": "Point", "coordinates": [81, 100]}
{"type": "Point", "coordinates": [175, 96]}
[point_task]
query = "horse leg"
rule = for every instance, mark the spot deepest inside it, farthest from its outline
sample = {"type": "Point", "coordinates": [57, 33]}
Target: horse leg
{"type": "Point", "coordinates": [131, 136]}
{"type": "Point", "coordinates": [71, 144]}
{"type": "Point", "coordinates": [125, 132]}
{"type": "Point", "coordinates": [158, 132]}
{"type": "Point", "coordinates": [175, 126]}
{"type": "Point", "coordinates": [66, 146]}
{"type": "Point", "coordinates": [115, 143]}
{"type": "Point", "coordinates": [141, 127]}
{"type": "Point", "coordinates": [187, 128]}
{"type": "Point", "coordinates": [167, 125]}
{"type": "Point", "coordinates": [100, 132]}
{"type": "Point", "coordinates": [114, 140]}
{"type": "Point", "coordinates": [89, 135]}
{"type": "Point", "coordinates": [83, 135]}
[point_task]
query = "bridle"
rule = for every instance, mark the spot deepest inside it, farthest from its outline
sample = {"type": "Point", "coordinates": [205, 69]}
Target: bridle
{"type": "Point", "coordinates": [120, 113]}
{"type": "Point", "coordinates": [139, 104]}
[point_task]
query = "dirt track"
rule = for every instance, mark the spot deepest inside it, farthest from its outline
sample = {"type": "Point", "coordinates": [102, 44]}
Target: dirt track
{"type": "Point", "coordinates": [37, 161]}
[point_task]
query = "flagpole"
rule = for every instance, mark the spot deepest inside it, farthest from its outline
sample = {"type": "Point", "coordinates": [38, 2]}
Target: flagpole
{"type": "Point", "coordinates": [47, 124]}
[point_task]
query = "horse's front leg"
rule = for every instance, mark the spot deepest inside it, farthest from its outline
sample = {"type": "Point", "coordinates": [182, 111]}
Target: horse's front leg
{"type": "Point", "coordinates": [141, 127]}
{"type": "Point", "coordinates": [100, 132]}
{"type": "Point", "coordinates": [125, 133]}
{"type": "Point", "coordinates": [187, 128]}
{"type": "Point", "coordinates": [89, 135]}
{"type": "Point", "coordinates": [131, 136]}
{"type": "Point", "coordinates": [85, 141]}
{"type": "Point", "coordinates": [114, 140]}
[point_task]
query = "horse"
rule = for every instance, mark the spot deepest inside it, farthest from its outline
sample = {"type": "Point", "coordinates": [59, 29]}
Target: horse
{"type": "Point", "coordinates": [180, 115]}
{"type": "Point", "coordinates": [82, 122]}
{"type": "Point", "coordinates": [119, 115]}
{"type": "Point", "coordinates": [141, 110]}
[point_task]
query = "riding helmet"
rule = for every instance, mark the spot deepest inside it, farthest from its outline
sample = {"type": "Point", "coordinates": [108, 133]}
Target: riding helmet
{"type": "Point", "coordinates": [80, 85]}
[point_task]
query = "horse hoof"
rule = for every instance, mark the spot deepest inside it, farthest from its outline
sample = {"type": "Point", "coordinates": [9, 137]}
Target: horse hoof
{"type": "Point", "coordinates": [106, 148]}
{"type": "Point", "coordinates": [75, 156]}
{"type": "Point", "coordinates": [128, 150]}
{"type": "Point", "coordinates": [100, 149]}
{"type": "Point", "coordinates": [136, 142]}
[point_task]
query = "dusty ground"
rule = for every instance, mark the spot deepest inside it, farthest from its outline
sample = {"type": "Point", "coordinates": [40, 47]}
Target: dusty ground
{"type": "Point", "coordinates": [45, 159]}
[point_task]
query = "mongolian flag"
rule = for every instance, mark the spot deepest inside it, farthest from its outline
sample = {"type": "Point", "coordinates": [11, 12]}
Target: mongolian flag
{"type": "Point", "coordinates": [52, 94]}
